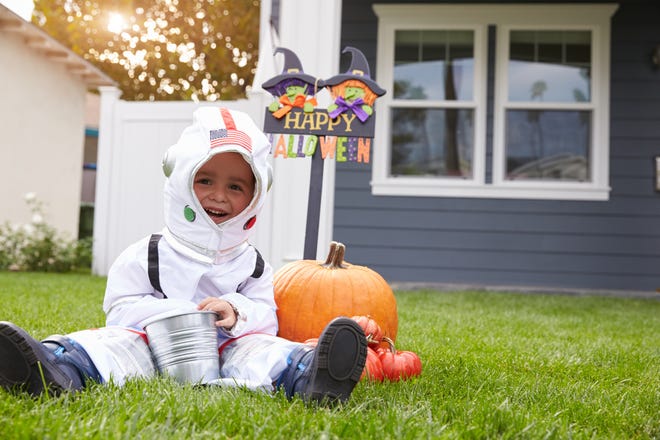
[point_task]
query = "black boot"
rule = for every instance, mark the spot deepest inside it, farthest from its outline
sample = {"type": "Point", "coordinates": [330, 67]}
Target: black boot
{"type": "Point", "coordinates": [64, 363]}
{"type": "Point", "coordinates": [329, 372]}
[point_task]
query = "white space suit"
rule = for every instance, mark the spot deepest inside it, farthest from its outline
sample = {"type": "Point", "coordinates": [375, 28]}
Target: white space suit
{"type": "Point", "coordinates": [197, 258]}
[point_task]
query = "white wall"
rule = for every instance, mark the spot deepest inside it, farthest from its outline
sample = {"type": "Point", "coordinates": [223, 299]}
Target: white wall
{"type": "Point", "coordinates": [41, 146]}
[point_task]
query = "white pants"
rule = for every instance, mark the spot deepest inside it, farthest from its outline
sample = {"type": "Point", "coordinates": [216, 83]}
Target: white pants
{"type": "Point", "coordinates": [255, 361]}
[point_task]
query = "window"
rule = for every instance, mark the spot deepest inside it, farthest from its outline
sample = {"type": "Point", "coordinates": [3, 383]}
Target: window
{"type": "Point", "coordinates": [543, 133]}
{"type": "Point", "coordinates": [434, 135]}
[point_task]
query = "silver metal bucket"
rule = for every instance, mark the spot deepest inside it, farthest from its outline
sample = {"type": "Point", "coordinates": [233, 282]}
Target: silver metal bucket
{"type": "Point", "coordinates": [185, 346]}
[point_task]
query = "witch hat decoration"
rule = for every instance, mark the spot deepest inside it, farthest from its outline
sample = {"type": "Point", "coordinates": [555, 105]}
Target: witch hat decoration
{"type": "Point", "coordinates": [359, 70]}
{"type": "Point", "coordinates": [292, 74]}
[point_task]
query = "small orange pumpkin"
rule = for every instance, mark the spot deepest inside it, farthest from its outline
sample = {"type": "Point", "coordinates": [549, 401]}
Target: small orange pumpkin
{"type": "Point", "coordinates": [398, 364]}
{"type": "Point", "coordinates": [373, 367]}
{"type": "Point", "coordinates": [372, 330]}
{"type": "Point", "coordinates": [310, 293]}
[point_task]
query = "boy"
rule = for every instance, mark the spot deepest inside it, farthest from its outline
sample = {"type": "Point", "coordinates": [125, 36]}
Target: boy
{"type": "Point", "coordinates": [217, 180]}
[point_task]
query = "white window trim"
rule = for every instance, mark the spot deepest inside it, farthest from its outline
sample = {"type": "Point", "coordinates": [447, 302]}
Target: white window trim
{"type": "Point", "coordinates": [593, 17]}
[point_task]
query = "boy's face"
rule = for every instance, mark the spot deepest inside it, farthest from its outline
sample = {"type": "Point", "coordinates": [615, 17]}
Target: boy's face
{"type": "Point", "coordinates": [224, 186]}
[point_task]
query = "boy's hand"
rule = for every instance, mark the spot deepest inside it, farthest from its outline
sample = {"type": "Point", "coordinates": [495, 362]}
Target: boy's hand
{"type": "Point", "coordinates": [225, 311]}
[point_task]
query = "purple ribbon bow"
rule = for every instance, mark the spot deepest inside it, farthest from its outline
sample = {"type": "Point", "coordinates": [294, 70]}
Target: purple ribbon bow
{"type": "Point", "coordinates": [356, 106]}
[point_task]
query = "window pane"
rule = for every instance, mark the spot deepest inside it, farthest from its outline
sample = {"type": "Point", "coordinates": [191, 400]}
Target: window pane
{"type": "Point", "coordinates": [552, 66]}
{"type": "Point", "coordinates": [434, 65]}
{"type": "Point", "coordinates": [548, 145]}
{"type": "Point", "coordinates": [437, 142]}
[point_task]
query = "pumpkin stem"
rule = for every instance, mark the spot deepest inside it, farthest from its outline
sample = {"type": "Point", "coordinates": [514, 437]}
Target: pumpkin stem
{"type": "Point", "coordinates": [390, 344]}
{"type": "Point", "coordinates": [335, 259]}
{"type": "Point", "coordinates": [331, 254]}
{"type": "Point", "coordinates": [338, 262]}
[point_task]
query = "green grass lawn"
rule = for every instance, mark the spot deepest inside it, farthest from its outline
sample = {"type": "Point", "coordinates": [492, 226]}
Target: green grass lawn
{"type": "Point", "coordinates": [496, 365]}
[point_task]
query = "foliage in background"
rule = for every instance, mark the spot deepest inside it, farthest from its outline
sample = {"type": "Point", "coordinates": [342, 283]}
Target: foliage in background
{"type": "Point", "coordinates": [496, 365]}
{"type": "Point", "coordinates": [161, 49]}
{"type": "Point", "coordinates": [37, 246]}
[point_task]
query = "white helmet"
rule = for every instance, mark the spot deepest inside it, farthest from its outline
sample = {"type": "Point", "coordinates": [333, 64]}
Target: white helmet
{"type": "Point", "coordinates": [214, 131]}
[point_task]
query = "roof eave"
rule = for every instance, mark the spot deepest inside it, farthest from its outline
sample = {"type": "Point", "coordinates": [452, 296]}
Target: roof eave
{"type": "Point", "coordinates": [42, 43]}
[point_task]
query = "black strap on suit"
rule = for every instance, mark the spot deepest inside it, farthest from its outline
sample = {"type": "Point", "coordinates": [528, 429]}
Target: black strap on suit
{"type": "Point", "coordinates": [154, 272]}
{"type": "Point", "coordinates": [152, 263]}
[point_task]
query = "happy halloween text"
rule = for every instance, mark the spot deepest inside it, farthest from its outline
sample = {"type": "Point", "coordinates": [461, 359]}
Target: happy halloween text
{"type": "Point", "coordinates": [340, 148]}
{"type": "Point", "coordinates": [319, 123]}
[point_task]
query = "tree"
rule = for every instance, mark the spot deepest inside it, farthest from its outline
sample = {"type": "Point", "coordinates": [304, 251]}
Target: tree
{"type": "Point", "coordinates": [161, 49]}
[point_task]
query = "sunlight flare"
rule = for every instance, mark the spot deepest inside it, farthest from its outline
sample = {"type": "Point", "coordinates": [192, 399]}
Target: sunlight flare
{"type": "Point", "coordinates": [116, 23]}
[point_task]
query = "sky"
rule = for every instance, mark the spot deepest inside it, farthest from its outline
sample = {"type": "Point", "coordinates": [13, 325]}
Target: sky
{"type": "Point", "coordinates": [20, 7]}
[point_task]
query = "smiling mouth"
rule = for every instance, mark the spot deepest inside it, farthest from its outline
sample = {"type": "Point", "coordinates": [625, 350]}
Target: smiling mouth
{"type": "Point", "coordinates": [217, 216]}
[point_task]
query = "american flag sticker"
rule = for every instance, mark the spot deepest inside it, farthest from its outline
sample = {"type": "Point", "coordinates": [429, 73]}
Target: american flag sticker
{"type": "Point", "coordinates": [218, 134]}
{"type": "Point", "coordinates": [223, 136]}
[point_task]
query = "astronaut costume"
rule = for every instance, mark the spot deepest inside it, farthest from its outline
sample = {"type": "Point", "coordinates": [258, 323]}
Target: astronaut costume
{"type": "Point", "coordinates": [192, 259]}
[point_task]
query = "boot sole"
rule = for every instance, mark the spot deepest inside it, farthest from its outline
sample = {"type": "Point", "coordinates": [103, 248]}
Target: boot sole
{"type": "Point", "coordinates": [338, 361]}
{"type": "Point", "coordinates": [20, 356]}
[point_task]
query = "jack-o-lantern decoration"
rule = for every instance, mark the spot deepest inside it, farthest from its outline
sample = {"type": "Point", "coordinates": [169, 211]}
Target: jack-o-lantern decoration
{"type": "Point", "coordinates": [311, 293]}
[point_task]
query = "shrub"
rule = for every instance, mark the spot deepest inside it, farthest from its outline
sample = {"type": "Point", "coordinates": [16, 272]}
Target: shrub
{"type": "Point", "coordinates": [37, 246]}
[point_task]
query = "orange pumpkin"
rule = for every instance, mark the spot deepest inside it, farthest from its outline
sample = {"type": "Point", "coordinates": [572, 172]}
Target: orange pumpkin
{"type": "Point", "coordinates": [373, 367]}
{"type": "Point", "coordinates": [372, 330]}
{"type": "Point", "coordinates": [398, 364]}
{"type": "Point", "coordinates": [310, 293]}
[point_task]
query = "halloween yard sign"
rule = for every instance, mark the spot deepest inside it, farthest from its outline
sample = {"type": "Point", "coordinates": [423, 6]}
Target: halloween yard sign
{"type": "Point", "coordinates": [298, 128]}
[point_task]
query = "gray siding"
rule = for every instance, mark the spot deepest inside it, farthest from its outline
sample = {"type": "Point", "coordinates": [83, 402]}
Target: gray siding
{"type": "Point", "coordinates": [566, 244]}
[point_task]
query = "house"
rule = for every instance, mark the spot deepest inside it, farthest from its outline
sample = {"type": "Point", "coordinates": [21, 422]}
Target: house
{"type": "Point", "coordinates": [517, 145]}
{"type": "Point", "coordinates": [43, 87]}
